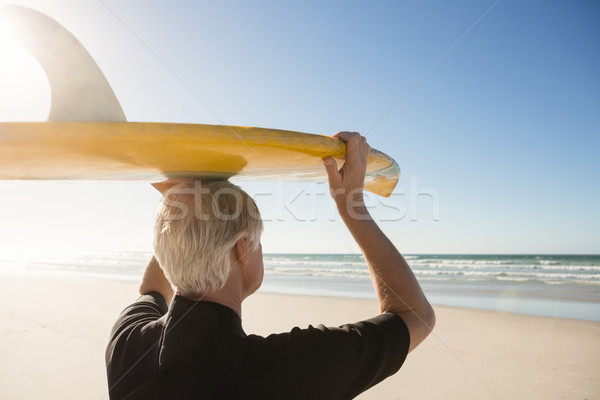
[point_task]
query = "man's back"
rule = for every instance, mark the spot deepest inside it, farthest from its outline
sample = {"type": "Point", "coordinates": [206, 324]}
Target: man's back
{"type": "Point", "coordinates": [199, 350]}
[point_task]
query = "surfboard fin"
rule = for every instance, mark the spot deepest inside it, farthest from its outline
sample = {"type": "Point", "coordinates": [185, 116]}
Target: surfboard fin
{"type": "Point", "coordinates": [79, 89]}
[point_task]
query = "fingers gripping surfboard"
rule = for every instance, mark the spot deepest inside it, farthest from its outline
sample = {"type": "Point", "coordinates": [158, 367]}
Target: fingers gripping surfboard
{"type": "Point", "coordinates": [87, 136]}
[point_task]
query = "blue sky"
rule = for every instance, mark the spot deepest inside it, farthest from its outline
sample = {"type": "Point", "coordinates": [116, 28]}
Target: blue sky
{"type": "Point", "coordinates": [496, 130]}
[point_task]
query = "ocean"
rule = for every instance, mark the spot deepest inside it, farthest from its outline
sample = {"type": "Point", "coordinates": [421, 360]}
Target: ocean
{"type": "Point", "coordinates": [561, 286]}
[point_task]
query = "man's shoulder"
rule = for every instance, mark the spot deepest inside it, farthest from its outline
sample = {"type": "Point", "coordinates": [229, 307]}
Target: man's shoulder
{"type": "Point", "coordinates": [134, 344]}
{"type": "Point", "coordinates": [386, 322]}
{"type": "Point", "coordinates": [317, 360]}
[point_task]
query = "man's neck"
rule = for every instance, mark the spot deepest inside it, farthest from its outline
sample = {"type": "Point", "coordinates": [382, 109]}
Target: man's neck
{"type": "Point", "coordinates": [227, 301]}
{"type": "Point", "coordinates": [230, 295]}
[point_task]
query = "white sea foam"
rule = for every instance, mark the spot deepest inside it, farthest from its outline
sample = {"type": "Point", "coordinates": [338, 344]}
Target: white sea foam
{"type": "Point", "coordinates": [555, 270]}
{"type": "Point", "coordinates": [447, 277]}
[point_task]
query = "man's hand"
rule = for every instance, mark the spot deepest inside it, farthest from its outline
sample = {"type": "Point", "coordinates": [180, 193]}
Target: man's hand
{"type": "Point", "coordinates": [396, 286]}
{"type": "Point", "coordinates": [164, 186]}
{"type": "Point", "coordinates": [346, 184]}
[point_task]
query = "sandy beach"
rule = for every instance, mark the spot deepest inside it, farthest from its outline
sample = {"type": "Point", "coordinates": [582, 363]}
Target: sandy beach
{"type": "Point", "coordinates": [54, 332]}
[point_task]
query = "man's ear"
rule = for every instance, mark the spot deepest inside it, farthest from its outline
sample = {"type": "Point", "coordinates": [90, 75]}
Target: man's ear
{"type": "Point", "coordinates": [240, 251]}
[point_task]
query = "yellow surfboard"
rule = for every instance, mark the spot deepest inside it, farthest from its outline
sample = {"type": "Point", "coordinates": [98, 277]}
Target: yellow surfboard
{"type": "Point", "coordinates": [87, 136]}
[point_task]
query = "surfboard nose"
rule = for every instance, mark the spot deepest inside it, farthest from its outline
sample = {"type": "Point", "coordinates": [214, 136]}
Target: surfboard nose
{"type": "Point", "coordinates": [79, 89]}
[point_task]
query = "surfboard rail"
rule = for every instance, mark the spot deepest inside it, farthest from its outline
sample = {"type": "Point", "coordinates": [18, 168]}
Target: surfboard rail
{"type": "Point", "coordinates": [151, 151]}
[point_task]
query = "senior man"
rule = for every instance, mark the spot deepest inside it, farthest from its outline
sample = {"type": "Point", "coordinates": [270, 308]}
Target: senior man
{"type": "Point", "coordinates": [191, 345]}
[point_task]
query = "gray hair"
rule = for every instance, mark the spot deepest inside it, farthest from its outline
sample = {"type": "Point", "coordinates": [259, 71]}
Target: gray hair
{"type": "Point", "coordinates": [196, 229]}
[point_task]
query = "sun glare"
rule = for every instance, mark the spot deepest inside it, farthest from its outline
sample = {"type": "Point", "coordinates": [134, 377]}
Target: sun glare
{"type": "Point", "coordinates": [24, 87]}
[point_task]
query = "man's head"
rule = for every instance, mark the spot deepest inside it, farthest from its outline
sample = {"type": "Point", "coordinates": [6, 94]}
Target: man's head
{"type": "Point", "coordinates": [196, 229]}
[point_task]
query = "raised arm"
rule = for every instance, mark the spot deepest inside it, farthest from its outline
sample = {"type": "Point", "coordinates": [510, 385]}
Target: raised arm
{"type": "Point", "coordinates": [396, 286]}
{"type": "Point", "coordinates": [154, 280]}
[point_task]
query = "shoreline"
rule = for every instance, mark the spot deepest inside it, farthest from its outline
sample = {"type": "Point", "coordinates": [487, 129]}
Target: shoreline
{"type": "Point", "coordinates": [558, 301]}
{"type": "Point", "coordinates": [564, 286]}
{"type": "Point", "coordinates": [58, 328]}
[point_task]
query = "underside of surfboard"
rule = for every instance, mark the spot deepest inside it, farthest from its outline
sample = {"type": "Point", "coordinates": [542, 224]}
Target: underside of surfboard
{"type": "Point", "coordinates": [87, 136]}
